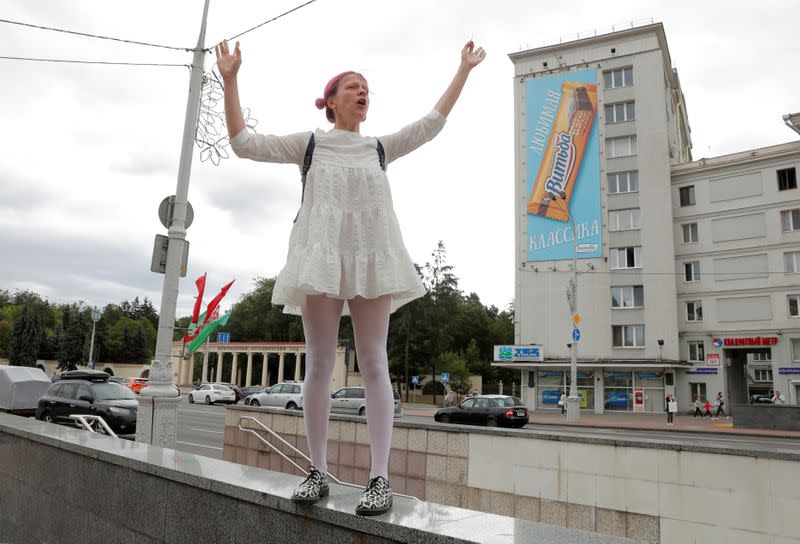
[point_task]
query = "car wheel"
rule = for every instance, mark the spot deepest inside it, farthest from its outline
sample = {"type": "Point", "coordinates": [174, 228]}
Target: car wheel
{"type": "Point", "coordinates": [291, 406]}
{"type": "Point", "coordinates": [254, 402]}
{"type": "Point", "coordinates": [362, 412]}
{"type": "Point", "coordinates": [48, 418]}
{"type": "Point", "coordinates": [191, 399]}
{"type": "Point", "coordinates": [445, 418]}
{"type": "Point", "coordinates": [208, 399]}
{"type": "Point", "coordinates": [491, 422]}
{"type": "Point", "coordinates": [246, 402]}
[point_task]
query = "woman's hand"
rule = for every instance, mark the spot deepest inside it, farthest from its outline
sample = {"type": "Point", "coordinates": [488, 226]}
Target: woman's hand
{"type": "Point", "coordinates": [227, 62]}
{"type": "Point", "coordinates": [471, 57]}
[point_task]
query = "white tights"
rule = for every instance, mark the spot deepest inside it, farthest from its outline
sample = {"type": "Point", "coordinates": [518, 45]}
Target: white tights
{"type": "Point", "coordinates": [371, 326]}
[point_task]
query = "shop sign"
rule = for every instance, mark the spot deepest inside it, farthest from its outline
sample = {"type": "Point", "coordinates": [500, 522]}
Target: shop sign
{"type": "Point", "coordinates": [649, 375]}
{"type": "Point", "coordinates": [638, 399]}
{"type": "Point", "coordinates": [617, 399]}
{"type": "Point", "coordinates": [510, 354]}
{"type": "Point", "coordinates": [551, 396]}
{"type": "Point", "coordinates": [789, 370]}
{"type": "Point", "coordinates": [702, 371]}
{"type": "Point", "coordinates": [712, 359]}
{"type": "Point", "coordinates": [746, 341]}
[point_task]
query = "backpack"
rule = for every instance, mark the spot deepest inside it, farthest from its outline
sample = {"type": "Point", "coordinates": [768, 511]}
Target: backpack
{"type": "Point", "coordinates": [307, 166]}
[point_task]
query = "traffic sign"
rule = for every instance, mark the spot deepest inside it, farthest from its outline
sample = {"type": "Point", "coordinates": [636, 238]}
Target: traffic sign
{"type": "Point", "coordinates": [576, 334]}
{"type": "Point", "coordinates": [576, 319]}
{"type": "Point", "coordinates": [415, 380]}
{"type": "Point", "coordinates": [445, 377]}
{"type": "Point", "coordinates": [223, 337]}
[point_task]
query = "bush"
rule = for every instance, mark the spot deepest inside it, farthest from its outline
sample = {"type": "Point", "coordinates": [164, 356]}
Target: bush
{"type": "Point", "coordinates": [433, 388]}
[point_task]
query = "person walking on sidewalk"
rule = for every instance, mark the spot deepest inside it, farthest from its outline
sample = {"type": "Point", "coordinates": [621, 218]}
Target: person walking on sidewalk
{"type": "Point", "coordinates": [346, 252]}
{"type": "Point", "coordinates": [721, 405]}
{"type": "Point", "coordinates": [697, 405]}
{"type": "Point", "coordinates": [671, 408]}
{"type": "Point", "coordinates": [707, 408]}
{"type": "Point", "coordinates": [562, 402]}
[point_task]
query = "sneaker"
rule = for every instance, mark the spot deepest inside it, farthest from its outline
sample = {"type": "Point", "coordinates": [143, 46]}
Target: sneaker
{"type": "Point", "coordinates": [376, 498]}
{"type": "Point", "coordinates": [313, 488]}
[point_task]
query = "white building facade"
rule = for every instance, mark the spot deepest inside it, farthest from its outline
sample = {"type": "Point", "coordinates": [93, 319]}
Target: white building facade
{"type": "Point", "coordinates": [603, 119]}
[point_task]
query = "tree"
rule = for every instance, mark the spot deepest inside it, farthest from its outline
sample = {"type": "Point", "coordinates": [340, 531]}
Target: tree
{"type": "Point", "coordinates": [75, 337]}
{"type": "Point", "coordinates": [454, 365]}
{"type": "Point", "coordinates": [27, 337]}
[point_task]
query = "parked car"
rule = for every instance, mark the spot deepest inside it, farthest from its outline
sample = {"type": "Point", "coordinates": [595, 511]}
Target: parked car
{"type": "Point", "coordinates": [233, 387]}
{"type": "Point", "coordinates": [136, 384]}
{"type": "Point", "coordinates": [489, 410]}
{"type": "Point", "coordinates": [211, 393]}
{"type": "Point", "coordinates": [351, 400]}
{"type": "Point", "coordinates": [117, 379]}
{"type": "Point", "coordinates": [251, 390]}
{"type": "Point", "coordinates": [89, 392]}
{"type": "Point", "coordinates": [287, 395]}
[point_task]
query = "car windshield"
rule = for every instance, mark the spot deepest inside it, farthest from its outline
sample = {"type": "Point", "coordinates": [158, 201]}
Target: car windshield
{"type": "Point", "coordinates": [112, 391]}
{"type": "Point", "coordinates": [509, 401]}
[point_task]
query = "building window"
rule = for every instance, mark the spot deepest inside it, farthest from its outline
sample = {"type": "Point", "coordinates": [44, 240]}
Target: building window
{"type": "Point", "coordinates": [623, 182]}
{"type": "Point", "coordinates": [791, 261]}
{"type": "Point", "coordinates": [790, 219]}
{"type": "Point", "coordinates": [698, 391]}
{"type": "Point", "coordinates": [762, 374]}
{"type": "Point", "coordinates": [692, 270]}
{"type": "Point", "coordinates": [619, 113]}
{"type": "Point", "coordinates": [794, 305]}
{"type": "Point", "coordinates": [687, 195]}
{"type": "Point", "coordinates": [697, 351]}
{"type": "Point", "coordinates": [689, 233]}
{"type": "Point", "coordinates": [624, 146]}
{"type": "Point", "coordinates": [787, 179]}
{"type": "Point", "coordinates": [796, 350]}
{"type": "Point", "coordinates": [764, 356]}
{"type": "Point", "coordinates": [694, 310]}
{"type": "Point", "coordinates": [618, 78]}
{"type": "Point", "coordinates": [628, 336]}
{"type": "Point", "coordinates": [625, 257]}
{"type": "Point", "coordinates": [629, 296]}
{"type": "Point", "coordinates": [623, 220]}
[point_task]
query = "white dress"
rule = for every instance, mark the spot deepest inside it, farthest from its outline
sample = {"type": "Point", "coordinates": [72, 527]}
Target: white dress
{"type": "Point", "coordinates": [346, 241]}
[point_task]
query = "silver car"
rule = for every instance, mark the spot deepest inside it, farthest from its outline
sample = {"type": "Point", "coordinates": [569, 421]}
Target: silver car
{"type": "Point", "coordinates": [351, 400]}
{"type": "Point", "coordinates": [287, 395]}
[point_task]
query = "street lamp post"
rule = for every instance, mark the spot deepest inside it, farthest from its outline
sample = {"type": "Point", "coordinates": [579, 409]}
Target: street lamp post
{"type": "Point", "coordinates": [95, 319]}
{"type": "Point", "coordinates": [573, 400]}
{"type": "Point", "coordinates": [792, 121]}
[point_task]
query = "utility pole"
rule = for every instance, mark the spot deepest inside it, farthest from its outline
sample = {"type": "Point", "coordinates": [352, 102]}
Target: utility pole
{"type": "Point", "coordinates": [159, 401]}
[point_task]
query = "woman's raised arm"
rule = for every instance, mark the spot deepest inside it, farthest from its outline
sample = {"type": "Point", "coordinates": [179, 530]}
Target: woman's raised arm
{"type": "Point", "coordinates": [470, 58]}
{"type": "Point", "coordinates": [228, 64]}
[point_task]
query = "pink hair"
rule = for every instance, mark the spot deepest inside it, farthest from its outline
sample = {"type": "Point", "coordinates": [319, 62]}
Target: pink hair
{"type": "Point", "coordinates": [330, 90]}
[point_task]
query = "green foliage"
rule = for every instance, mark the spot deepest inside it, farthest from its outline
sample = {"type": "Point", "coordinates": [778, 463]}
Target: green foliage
{"type": "Point", "coordinates": [455, 365]}
{"type": "Point", "coordinates": [27, 337]}
{"type": "Point", "coordinates": [256, 319]}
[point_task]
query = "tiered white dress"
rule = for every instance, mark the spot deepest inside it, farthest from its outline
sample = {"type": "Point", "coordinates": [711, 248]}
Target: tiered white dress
{"type": "Point", "coordinates": [346, 241]}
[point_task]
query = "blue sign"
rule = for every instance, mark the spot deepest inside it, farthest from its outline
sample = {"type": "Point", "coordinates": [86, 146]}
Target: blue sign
{"type": "Point", "coordinates": [91, 364]}
{"type": "Point", "coordinates": [505, 353]}
{"type": "Point", "coordinates": [509, 354]}
{"type": "Point", "coordinates": [551, 396]}
{"type": "Point", "coordinates": [786, 370]}
{"type": "Point", "coordinates": [445, 377]}
{"type": "Point", "coordinates": [562, 154]}
{"type": "Point", "coordinates": [223, 337]}
{"type": "Point", "coordinates": [415, 380]}
{"type": "Point", "coordinates": [576, 334]}
{"type": "Point", "coordinates": [616, 399]}
{"type": "Point", "coordinates": [702, 371]}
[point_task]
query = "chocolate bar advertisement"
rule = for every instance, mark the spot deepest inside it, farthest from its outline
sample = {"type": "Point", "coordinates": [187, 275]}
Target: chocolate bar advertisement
{"type": "Point", "coordinates": [562, 157]}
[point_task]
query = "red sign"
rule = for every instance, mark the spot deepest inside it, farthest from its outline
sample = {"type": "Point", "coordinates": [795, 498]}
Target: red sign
{"type": "Point", "coordinates": [752, 341]}
{"type": "Point", "coordinates": [713, 359]}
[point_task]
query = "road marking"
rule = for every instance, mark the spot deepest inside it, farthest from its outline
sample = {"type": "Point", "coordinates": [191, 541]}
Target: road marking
{"type": "Point", "coordinates": [199, 445]}
{"type": "Point", "coordinates": [205, 430]}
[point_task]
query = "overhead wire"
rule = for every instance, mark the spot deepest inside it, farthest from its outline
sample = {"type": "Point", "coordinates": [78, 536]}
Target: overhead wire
{"type": "Point", "coordinates": [269, 21]}
{"type": "Point", "coordinates": [78, 61]}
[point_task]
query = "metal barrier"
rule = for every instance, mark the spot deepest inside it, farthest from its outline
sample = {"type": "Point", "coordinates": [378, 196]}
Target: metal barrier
{"type": "Point", "coordinates": [298, 452]}
{"type": "Point", "coordinates": [93, 424]}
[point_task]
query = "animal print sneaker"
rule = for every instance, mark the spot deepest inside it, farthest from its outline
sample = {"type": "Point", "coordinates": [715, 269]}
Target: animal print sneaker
{"type": "Point", "coordinates": [313, 488]}
{"type": "Point", "coordinates": [376, 498]}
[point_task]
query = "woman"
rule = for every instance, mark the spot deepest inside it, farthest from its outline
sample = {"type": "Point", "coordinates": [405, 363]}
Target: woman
{"type": "Point", "coordinates": [671, 408]}
{"type": "Point", "coordinates": [720, 404]}
{"type": "Point", "coordinates": [562, 403]}
{"type": "Point", "coordinates": [346, 252]}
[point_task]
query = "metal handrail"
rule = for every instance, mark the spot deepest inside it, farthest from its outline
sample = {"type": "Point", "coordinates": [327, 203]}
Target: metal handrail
{"type": "Point", "coordinates": [84, 421]}
{"type": "Point", "coordinates": [300, 453]}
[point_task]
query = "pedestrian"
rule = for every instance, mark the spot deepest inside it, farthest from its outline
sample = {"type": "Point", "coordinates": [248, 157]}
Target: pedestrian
{"type": "Point", "coordinates": [474, 393]}
{"type": "Point", "coordinates": [449, 399]}
{"type": "Point", "coordinates": [562, 402]}
{"type": "Point", "coordinates": [346, 253]}
{"type": "Point", "coordinates": [777, 398]}
{"type": "Point", "coordinates": [697, 411]}
{"type": "Point", "coordinates": [671, 406]}
{"type": "Point", "coordinates": [721, 405]}
{"type": "Point", "coordinates": [707, 408]}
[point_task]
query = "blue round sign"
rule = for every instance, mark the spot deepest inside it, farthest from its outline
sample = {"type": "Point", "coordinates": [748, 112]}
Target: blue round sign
{"type": "Point", "coordinates": [576, 334]}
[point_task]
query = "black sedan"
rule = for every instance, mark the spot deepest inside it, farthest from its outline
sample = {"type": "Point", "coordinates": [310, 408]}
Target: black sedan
{"type": "Point", "coordinates": [489, 410]}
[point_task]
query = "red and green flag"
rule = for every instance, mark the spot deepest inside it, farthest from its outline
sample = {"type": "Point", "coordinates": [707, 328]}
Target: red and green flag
{"type": "Point", "coordinates": [206, 330]}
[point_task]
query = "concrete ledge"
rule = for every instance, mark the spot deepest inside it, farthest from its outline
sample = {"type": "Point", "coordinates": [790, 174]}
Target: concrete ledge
{"type": "Point", "coordinates": [785, 417]}
{"type": "Point", "coordinates": [77, 486]}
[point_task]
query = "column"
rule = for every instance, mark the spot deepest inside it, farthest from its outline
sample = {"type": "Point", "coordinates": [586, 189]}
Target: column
{"type": "Point", "coordinates": [265, 369]}
{"type": "Point", "coordinates": [219, 365]}
{"type": "Point", "coordinates": [249, 377]}
{"type": "Point", "coordinates": [190, 370]}
{"type": "Point", "coordinates": [280, 367]}
{"type": "Point", "coordinates": [297, 366]}
{"type": "Point", "coordinates": [204, 377]}
{"type": "Point", "coordinates": [235, 369]}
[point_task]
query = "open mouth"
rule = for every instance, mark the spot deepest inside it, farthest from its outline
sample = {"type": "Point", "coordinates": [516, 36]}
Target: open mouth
{"type": "Point", "coordinates": [361, 102]}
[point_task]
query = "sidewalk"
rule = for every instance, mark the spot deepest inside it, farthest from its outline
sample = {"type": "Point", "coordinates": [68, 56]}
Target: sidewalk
{"type": "Point", "coordinates": [625, 421]}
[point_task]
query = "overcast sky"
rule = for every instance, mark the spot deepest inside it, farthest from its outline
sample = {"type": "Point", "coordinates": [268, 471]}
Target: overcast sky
{"type": "Point", "coordinates": [88, 152]}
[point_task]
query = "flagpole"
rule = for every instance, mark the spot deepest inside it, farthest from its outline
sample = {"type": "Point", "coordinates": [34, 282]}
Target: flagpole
{"type": "Point", "coordinates": [205, 360]}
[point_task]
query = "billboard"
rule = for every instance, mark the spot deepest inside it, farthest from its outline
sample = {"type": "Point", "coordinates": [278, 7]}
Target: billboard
{"type": "Point", "coordinates": [562, 156]}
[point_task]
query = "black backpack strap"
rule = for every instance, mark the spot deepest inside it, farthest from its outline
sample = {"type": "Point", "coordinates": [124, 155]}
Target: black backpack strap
{"type": "Point", "coordinates": [381, 156]}
{"type": "Point", "coordinates": [304, 171]}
